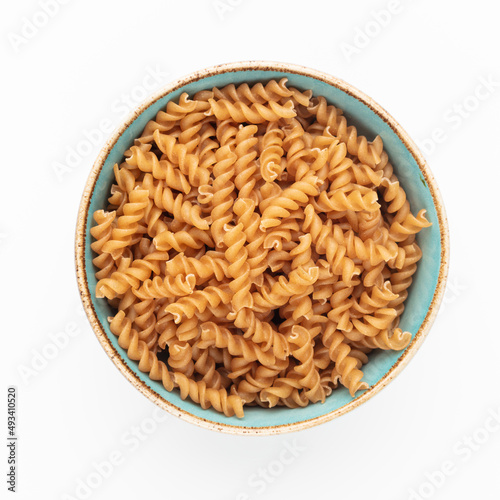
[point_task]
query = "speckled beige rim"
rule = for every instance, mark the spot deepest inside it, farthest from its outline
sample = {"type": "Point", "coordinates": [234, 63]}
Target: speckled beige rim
{"type": "Point", "coordinates": [115, 356]}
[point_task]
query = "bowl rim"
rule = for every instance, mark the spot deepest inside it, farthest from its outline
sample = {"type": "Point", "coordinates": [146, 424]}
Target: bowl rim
{"type": "Point", "coordinates": [81, 230]}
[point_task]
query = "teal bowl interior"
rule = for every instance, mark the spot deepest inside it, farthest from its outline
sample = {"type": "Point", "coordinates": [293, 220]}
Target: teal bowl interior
{"type": "Point", "coordinates": [422, 290]}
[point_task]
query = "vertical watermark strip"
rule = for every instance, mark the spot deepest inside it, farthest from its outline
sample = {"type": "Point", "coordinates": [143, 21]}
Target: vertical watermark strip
{"type": "Point", "coordinates": [11, 439]}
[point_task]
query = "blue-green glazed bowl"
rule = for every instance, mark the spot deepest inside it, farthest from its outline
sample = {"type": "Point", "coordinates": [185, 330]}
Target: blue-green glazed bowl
{"type": "Point", "coordinates": [425, 293]}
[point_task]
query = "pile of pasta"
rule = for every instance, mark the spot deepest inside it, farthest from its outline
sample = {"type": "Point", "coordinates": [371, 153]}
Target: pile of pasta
{"type": "Point", "coordinates": [256, 248]}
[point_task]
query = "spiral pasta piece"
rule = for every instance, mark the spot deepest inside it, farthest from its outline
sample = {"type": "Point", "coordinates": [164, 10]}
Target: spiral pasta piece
{"type": "Point", "coordinates": [335, 249]}
{"type": "Point", "coordinates": [339, 201]}
{"type": "Point", "coordinates": [162, 170]}
{"type": "Point", "coordinates": [223, 188]}
{"type": "Point", "coordinates": [300, 281]}
{"type": "Point", "coordinates": [330, 116]}
{"type": "Point", "coordinates": [127, 224]}
{"type": "Point", "coordinates": [302, 349]}
{"type": "Point", "coordinates": [411, 224]}
{"type": "Point", "coordinates": [346, 365]}
{"type": "Point", "coordinates": [206, 366]}
{"type": "Point", "coordinates": [395, 341]}
{"type": "Point", "coordinates": [291, 199]}
{"type": "Point", "coordinates": [217, 398]}
{"type": "Point", "coordinates": [145, 322]}
{"type": "Point", "coordinates": [402, 279]}
{"type": "Point", "coordinates": [137, 349]}
{"type": "Point", "coordinates": [261, 332]}
{"type": "Point", "coordinates": [211, 264]}
{"type": "Point", "coordinates": [260, 93]}
{"type": "Point", "coordinates": [181, 240]}
{"type": "Point", "coordinates": [281, 389]}
{"type": "Point", "coordinates": [272, 152]}
{"type": "Point", "coordinates": [102, 234]}
{"type": "Point", "coordinates": [238, 269]}
{"type": "Point", "coordinates": [169, 287]}
{"type": "Point", "coordinates": [181, 155]}
{"type": "Point", "coordinates": [198, 301]}
{"type": "Point", "coordinates": [221, 337]}
{"type": "Point", "coordinates": [257, 379]}
{"type": "Point", "coordinates": [165, 199]}
{"type": "Point", "coordinates": [180, 358]}
{"type": "Point", "coordinates": [174, 112]}
{"type": "Point", "coordinates": [245, 167]}
{"type": "Point", "coordinates": [126, 176]}
{"type": "Point", "coordinates": [256, 113]}
{"type": "Point", "coordinates": [131, 277]}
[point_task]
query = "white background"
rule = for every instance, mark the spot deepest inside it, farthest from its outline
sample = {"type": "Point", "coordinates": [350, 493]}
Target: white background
{"type": "Point", "coordinates": [61, 80]}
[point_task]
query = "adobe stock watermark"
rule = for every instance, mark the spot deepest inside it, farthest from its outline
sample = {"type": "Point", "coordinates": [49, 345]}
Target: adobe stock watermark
{"type": "Point", "coordinates": [268, 474]}
{"type": "Point", "coordinates": [41, 358]}
{"type": "Point", "coordinates": [364, 36]}
{"type": "Point", "coordinates": [102, 470]}
{"type": "Point", "coordinates": [457, 114]}
{"type": "Point", "coordinates": [32, 25]}
{"type": "Point", "coordinates": [223, 7]}
{"type": "Point", "coordinates": [454, 288]}
{"type": "Point", "coordinates": [91, 139]}
{"type": "Point", "coordinates": [463, 450]}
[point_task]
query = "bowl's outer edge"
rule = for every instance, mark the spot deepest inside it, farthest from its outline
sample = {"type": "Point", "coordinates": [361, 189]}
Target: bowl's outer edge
{"type": "Point", "coordinates": [81, 229]}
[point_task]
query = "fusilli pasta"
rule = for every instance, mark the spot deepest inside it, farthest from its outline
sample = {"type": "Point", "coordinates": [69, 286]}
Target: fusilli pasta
{"type": "Point", "coordinates": [256, 249]}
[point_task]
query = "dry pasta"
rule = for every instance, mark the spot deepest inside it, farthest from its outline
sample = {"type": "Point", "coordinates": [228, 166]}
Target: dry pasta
{"type": "Point", "coordinates": [256, 249]}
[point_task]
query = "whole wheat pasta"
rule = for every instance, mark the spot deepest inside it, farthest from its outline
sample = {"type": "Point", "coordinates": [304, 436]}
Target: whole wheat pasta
{"type": "Point", "coordinates": [256, 249]}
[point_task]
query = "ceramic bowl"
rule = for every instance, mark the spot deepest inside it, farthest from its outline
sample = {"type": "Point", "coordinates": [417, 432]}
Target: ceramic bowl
{"type": "Point", "coordinates": [425, 293]}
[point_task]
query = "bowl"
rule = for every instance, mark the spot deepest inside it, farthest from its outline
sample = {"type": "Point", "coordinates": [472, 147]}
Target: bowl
{"type": "Point", "coordinates": [425, 294]}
